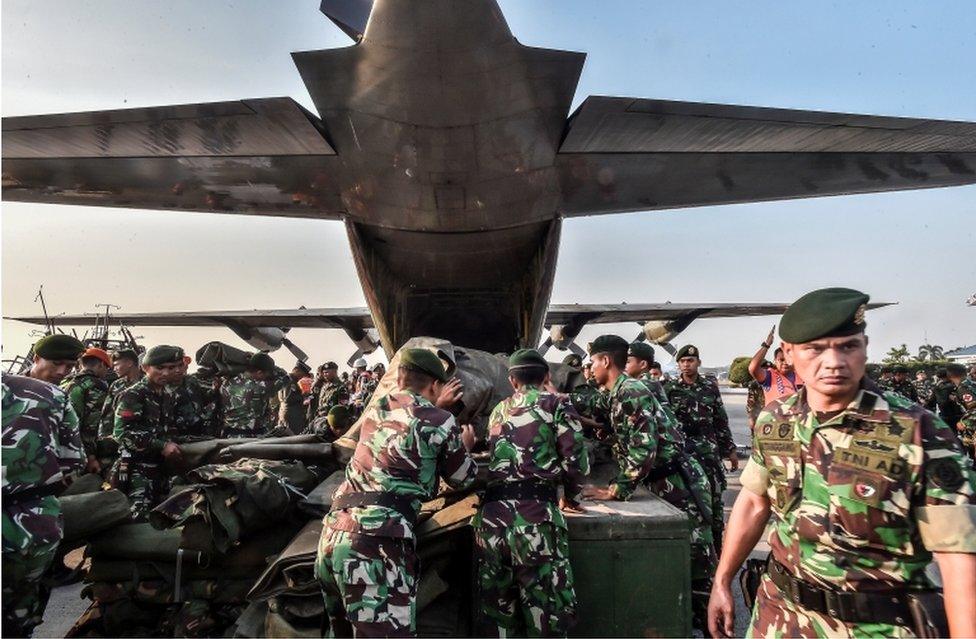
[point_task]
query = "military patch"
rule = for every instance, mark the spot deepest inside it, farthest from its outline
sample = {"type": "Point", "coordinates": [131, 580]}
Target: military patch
{"type": "Point", "coordinates": [780, 448]}
{"type": "Point", "coordinates": [767, 429]}
{"type": "Point", "coordinates": [875, 445]}
{"type": "Point", "coordinates": [888, 465]}
{"type": "Point", "coordinates": [784, 431]}
{"type": "Point", "coordinates": [859, 314]}
{"type": "Point", "coordinates": [867, 489]}
{"type": "Point", "coordinates": [896, 430]}
{"type": "Point", "coordinates": [946, 474]}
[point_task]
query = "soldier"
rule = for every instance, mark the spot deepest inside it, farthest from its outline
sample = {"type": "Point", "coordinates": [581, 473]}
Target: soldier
{"type": "Point", "coordinates": [55, 356]}
{"type": "Point", "coordinates": [863, 486]}
{"type": "Point", "coordinates": [333, 393]}
{"type": "Point", "coordinates": [367, 562]}
{"type": "Point", "coordinates": [146, 431]}
{"type": "Point", "coordinates": [312, 403]}
{"type": "Point", "coordinates": [573, 360]}
{"type": "Point", "coordinates": [656, 373]}
{"type": "Point", "coordinates": [924, 390]}
{"type": "Point", "coordinates": [193, 404]}
{"type": "Point", "coordinates": [86, 390]}
{"type": "Point", "coordinates": [41, 451]}
{"type": "Point", "coordinates": [901, 385]}
{"type": "Point", "coordinates": [697, 403]}
{"type": "Point", "coordinates": [965, 397]}
{"type": "Point", "coordinates": [640, 358]}
{"type": "Point", "coordinates": [293, 401]}
{"type": "Point", "coordinates": [125, 363]}
{"type": "Point", "coordinates": [366, 387]}
{"type": "Point", "coordinates": [535, 444]}
{"type": "Point", "coordinates": [945, 401]}
{"type": "Point", "coordinates": [755, 398]}
{"type": "Point", "coordinates": [246, 398]}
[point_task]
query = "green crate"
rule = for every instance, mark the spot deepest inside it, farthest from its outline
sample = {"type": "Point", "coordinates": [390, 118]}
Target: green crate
{"type": "Point", "coordinates": [632, 569]}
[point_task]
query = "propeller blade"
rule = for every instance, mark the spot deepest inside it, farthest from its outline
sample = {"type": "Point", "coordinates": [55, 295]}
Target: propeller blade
{"type": "Point", "coordinates": [297, 352]}
{"type": "Point", "coordinates": [352, 359]}
{"type": "Point", "coordinates": [546, 345]}
{"type": "Point", "coordinates": [641, 337]}
{"type": "Point", "coordinates": [576, 348]}
{"type": "Point", "coordinates": [670, 349]}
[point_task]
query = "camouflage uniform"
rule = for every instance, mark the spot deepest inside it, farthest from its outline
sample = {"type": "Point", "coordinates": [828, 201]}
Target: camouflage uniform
{"type": "Point", "coordinates": [904, 388]}
{"type": "Point", "coordinates": [523, 570]}
{"type": "Point", "coordinates": [86, 392]}
{"type": "Point", "coordinates": [246, 406]}
{"type": "Point", "coordinates": [945, 400]}
{"type": "Point", "coordinates": [333, 394]}
{"type": "Point", "coordinates": [41, 446]}
{"type": "Point", "coordinates": [701, 414]}
{"type": "Point", "coordinates": [925, 391]}
{"type": "Point", "coordinates": [143, 425]}
{"type": "Point", "coordinates": [193, 405]}
{"type": "Point", "coordinates": [965, 396]}
{"type": "Point", "coordinates": [755, 400]}
{"type": "Point", "coordinates": [367, 562]}
{"type": "Point", "coordinates": [107, 446]}
{"type": "Point", "coordinates": [858, 500]}
{"type": "Point", "coordinates": [635, 418]}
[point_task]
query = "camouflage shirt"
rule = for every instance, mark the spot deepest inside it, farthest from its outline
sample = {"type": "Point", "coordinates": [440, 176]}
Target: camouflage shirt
{"type": "Point", "coordinates": [862, 497]}
{"type": "Point", "coordinates": [965, 396]}
{"type": "Point", "coordinates": [701, 413]}
{"type": "Point", "coordinates": [246, 404]}
{"type": "Point", "coordinates": [86, 392]}
{"type": "Point", "coordinates": [636, 419]}
{"type": "Point", "coordinates": [592, 402]}
{"type": "Point", "coordinates": [194, 407]}
{"type": "Point", "coordinates": [41, 441]}
{"type": "Point", "coordinates": [143, 423]}
{"type": "Point", "coordinates": [332, 394]}
{"type": "Point", "coordinates": [533, 435]}
{"type": "Point", "coordinates": [107, 426]}
{"type": "Point", "coordinates": [755, 400]}
{"type": "Point", "coordinates": [404, 444]}
{"type": "Point", "coordinates": [925, 391]}
{"type": "Point", "coordinates": [905, 388]}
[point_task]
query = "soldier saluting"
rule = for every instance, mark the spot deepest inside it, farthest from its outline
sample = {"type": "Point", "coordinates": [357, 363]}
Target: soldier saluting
{"type": "Point", "coordinates": [864, 487]}
{"type": "Point", "coordinates": [367, 561]}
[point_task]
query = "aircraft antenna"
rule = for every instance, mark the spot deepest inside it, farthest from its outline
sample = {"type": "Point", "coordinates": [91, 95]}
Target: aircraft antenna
{"type": "Point", "coordinates": [47, 318]}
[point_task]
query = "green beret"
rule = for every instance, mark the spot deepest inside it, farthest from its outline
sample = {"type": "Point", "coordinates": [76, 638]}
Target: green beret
{"type": "Point", "coordinates": [261, 362]}
{"type": "Point", "coordinates": [828, 312]}
{"type": "Point", "coordinates": [642, 350]}
{"type": "Point", "coordinates": [424, 361]}
{"type": "Point", "coordinates": [339, 417]}
{"type": "Point", "coordinates": [608, 344]}
{"type": "Point", "coordinates": [159, 355]}
{"type": "Point", "coordinates": [688, 350]}
{"type": "Point", "coordinates": [527, 358]}
{"type": "Point", "coordinates": [573, 360]}
{"type": "Point", "coordinates": [956, 370]}
{"type": "Point", "coordinates": [59, 346]}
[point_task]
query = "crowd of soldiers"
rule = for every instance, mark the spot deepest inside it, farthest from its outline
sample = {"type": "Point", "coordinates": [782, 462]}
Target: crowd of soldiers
{"type": "Point", "coordinates": [863, 485]}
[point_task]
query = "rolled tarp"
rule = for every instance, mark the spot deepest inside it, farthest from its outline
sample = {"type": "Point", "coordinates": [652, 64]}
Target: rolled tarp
{"type": "Point", "coordinates": [91, 513]}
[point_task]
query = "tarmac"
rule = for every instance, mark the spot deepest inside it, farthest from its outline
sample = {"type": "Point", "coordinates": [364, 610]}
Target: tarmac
{"type": "Point", "coordinates": [66, 604]}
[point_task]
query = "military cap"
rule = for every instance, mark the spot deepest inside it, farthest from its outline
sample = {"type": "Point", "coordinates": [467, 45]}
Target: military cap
{"type": "Point", "coordinates": [261, 362]}
{"type": "Point", "coordinates": [688, 350]}
{"type": "Point", "coordinates": [303, 367]}
{"type": "Point", "coordinates": [329, 366]}
{"type": "Point", "coordinates": [58, 347]}
{"type": "Point", "coordinates": [527, 358]}
{"type": "Point", "coordinates": [900, 369]}
{"type": "Point", "coordinates": [642, 350]}
{"type": "Point", "coordinates": [125, 353]}
{"type": "Point", "coordinates": [424, 361]}
{"type": "Point", "coordinates": [573, 360]}
{"type": "Point", "coordinates": [339, 417]}
{"type": "Point", "coordinates": [827, 312]}
{"type": "Point", "coordinates": [608, 344]}
{"type": "Point", "coordinates": [163, 354]}
{"type": "Point", "coordinates": [956, 370]}
{"type": "Point", "coordinates": [359, 363]}
{"type": "Point", "coordinates": [98, 354]}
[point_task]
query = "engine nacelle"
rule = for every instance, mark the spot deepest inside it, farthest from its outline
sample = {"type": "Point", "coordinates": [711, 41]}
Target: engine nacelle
{"type": "Point", "coordinates": [263, 338]}
{"type": "Point", "coordinates": [659, 331]}
{"type": "Point", "coordinates": [563, 336]}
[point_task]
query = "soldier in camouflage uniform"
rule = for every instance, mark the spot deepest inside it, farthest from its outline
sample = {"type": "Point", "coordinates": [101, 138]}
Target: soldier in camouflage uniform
{"type": "Point", "coordinates": [367, 562]}
{"type": "Point", "coordinates": [945, 398]}
{"type": "Point", "coordinates": [293, 401]}
{"type": "Point", "coordinates": [86, 390]}
{"type": "Point", "coordinates": [126, 365]}
{"type": "Point", "coordinates": [146, 431]}
{"type": "Point", "coordinates": [965, 397]}
{"type": "Point", "coordinates": [925, 390]}
{"type": "Point", "coordinates": [901, 385]}
{"type": "Point", "coordinates": [863, 486]}
{"type": "Point", "coordinates": [535, 444]}
{"type": "Point", "coordinates": [246, 398]}
{"type": "Point", "coordinates": [333, 393]}
{"type": "Point", "coordinates": [697, 403]}
{"type": "Point", "coordinates": [41, 449]}
{"type": "Point", "coordinates": [50, 364]}
{"type": "Point", "coordinates": [193, 405]}
{"type": "Point", "coordinates": [755, 400]}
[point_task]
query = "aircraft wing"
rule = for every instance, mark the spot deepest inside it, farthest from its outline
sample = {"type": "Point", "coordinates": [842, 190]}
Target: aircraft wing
{"type": "Point", "coordinates": [564, 314]}
{"type": "Point", "coordinates": [341, 318]}
{"type": "Point", "coordinates": [248, 156]}
{"type": "Point", "coordinates": [627, 154]}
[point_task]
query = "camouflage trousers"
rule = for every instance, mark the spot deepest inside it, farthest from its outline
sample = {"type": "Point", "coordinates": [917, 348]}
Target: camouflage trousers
{"type": "Point", "coordinates": [775, 616]}
{"type": "Point", "coordinates": [715, 471]}
{"type": "Point", "coordinates": [675, 490]}
{"type": "Point", "coordinates": [32, 532]}
{"type": "Point", "coordinates": [526, 581]}
{"type": "Point", "coordinates": [369, 584]}
{"type": "Point", "coordinates": [144, 484]}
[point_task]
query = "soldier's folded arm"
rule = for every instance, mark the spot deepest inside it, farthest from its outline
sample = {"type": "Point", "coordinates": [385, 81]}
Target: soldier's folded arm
{"type": "Point", "coordinates": [573, 459]}
{"type": "Point", "coordinates": [457, 467]}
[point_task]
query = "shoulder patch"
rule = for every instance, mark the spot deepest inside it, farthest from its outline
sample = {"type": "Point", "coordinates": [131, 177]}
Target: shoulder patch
{"type": "Point", "coordinates": [946, 474]}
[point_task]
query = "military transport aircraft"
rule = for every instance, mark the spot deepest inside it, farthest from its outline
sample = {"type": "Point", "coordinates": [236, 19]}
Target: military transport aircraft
{"type": "Point", "coordinates": [447, 150]}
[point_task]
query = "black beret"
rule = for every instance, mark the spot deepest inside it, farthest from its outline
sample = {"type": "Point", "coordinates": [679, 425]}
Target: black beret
{"type": "Point", "coordinates": [59, 346]}
{"type": "Point", "coordinates": [527, 358]}
{"type": "Point", "coordinates": [688, 350]}
{"type": "Point", "coordinates": [424, 361]}
{"type": "Point", "coordinates": [642, 350]}
{"type": "Point", "coordinates": [608, 344]}
{"type": "Point", "coordinates": [828, 312]}
{"type": "Point", "coordinates": [303, 367]}
{"type": "Point", "coordinates": [573, 360]}
{"type": "Point", "coordinates": [125, 353]}
{"type": "Point", "coordinates": [330, 366]}
{"type": "Point", "coordinates": [164, 354]}
{"type": "Point", "coordinates": [339, 417]}
{"type": "Point", "coordinates": [261, 362]}
{"type": "Point", "coordinates": [955, 370]}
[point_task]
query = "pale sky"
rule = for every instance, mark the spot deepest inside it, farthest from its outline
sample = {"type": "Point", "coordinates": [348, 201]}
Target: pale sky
{"type": "Point", "coordinates": [900, 58]}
